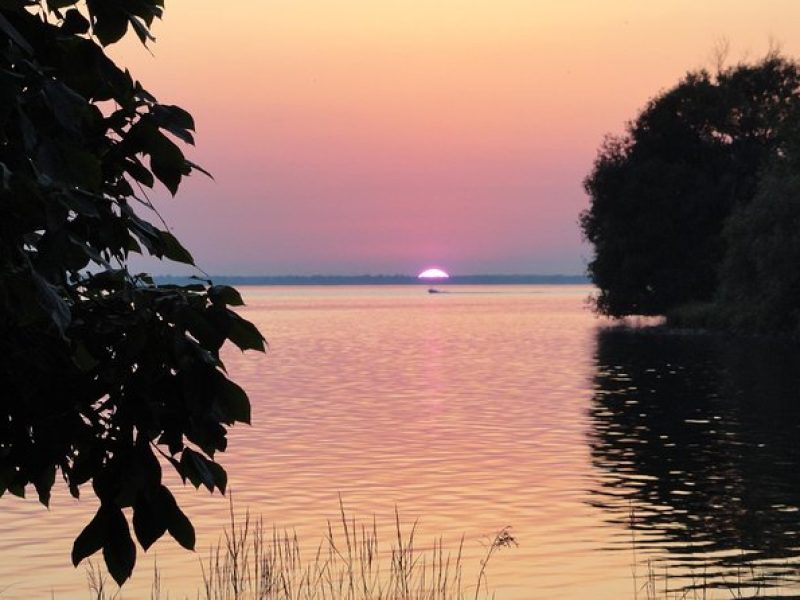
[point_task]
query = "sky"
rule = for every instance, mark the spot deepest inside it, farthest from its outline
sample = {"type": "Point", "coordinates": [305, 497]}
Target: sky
{"type": "Point", "coordinates": [383, 136]}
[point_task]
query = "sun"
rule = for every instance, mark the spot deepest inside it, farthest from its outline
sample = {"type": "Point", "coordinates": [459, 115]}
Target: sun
{"type": "Point", "coordinates": [433, 274]}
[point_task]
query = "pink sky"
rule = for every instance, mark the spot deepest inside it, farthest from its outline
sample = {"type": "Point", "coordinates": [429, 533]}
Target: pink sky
{"type": "Point", "coordinates": [383, 137]}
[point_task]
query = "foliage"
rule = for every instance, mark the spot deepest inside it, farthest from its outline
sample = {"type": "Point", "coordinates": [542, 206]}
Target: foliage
{"type": "Point", "coordinates": [759, 278]}
{"type": "Point", "coordinates": [661, 193]}
{"type": "Point", "coordinates": [105, 375]}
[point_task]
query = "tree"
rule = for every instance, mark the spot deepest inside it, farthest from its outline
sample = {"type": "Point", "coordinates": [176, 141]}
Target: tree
{"type": "Point", "coordinates": [661, 193]}
{"type": "Point", "coordinates": [759, 279]}
{"type": "Point", "coordinates": [105, 376]}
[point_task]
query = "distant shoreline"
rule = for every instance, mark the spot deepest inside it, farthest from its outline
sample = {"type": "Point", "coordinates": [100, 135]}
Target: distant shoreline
{"type": "Point", "coordinates": [244, 280]}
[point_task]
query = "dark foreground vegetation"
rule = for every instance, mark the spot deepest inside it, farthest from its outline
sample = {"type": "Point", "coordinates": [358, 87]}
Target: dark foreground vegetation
{"type": "Point", "coordinates": [695, 210]}
{"type": "Point", "coordinates": [353, 561]}
{"type": "Point", "coordinates": [104, 375]}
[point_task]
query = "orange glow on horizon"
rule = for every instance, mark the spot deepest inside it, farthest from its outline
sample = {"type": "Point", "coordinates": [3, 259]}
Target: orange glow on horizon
{"type": "Point", "coordinates": [364, 137]}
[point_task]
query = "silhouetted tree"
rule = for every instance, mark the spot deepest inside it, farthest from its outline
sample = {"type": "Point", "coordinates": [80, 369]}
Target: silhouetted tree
{"type": "Point", "coordinates": [759, 278]}
{"type": "Point", "coordinates": [661, 193]}
{"type": "Point", "coordinates": [104, 375]}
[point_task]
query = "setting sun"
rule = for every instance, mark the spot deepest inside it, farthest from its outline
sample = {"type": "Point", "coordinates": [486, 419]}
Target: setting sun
{"type": "Point", "coordinates": [433, 274]}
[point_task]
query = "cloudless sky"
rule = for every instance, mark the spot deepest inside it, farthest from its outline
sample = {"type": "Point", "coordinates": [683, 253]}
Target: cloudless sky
{"type": "Point", "coordinates": [383, 136]}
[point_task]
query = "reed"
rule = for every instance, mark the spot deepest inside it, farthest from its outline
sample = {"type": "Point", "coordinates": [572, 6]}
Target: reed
{"type": "Point", "coordinates": [254, 562]}
{"type": "Point", "coordinates": [745, 582]}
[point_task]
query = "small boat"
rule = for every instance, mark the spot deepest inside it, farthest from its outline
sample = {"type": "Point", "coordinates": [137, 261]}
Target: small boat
{"type": "Point", "coordinates": [435, 291]}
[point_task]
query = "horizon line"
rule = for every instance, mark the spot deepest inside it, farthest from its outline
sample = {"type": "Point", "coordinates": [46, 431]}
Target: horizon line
{"type": "Point", "coordinates": [349, 275]}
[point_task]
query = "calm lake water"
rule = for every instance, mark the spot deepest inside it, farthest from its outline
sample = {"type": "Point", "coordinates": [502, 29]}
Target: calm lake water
{"type": "Point", "coordinates": [611, 454]}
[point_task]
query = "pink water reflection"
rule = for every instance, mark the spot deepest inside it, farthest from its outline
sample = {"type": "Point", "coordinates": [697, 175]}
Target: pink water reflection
{"type": "Point", "coordinates": [465, 410]}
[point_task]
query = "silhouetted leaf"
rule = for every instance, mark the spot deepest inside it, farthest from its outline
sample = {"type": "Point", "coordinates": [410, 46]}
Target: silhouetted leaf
{"type": "Point", "coordinates": [196, 468]}
{"type": "Point", "coordinates": [149, 522]}
{"type": "Point", "coordinates": [174, 250]}
{"type": "Point", "coordinates": [244, 334]}
{"type": "Point", "coordinates": [68, 107]}
{"type": "Point", "coordinates": [220, 476]}
{"type": "Point", "coordinates": [167, 162]}
{"type": "Point", "coordinates": [92, 537]}
{"type": "Point", "coordinates": [142, 32]}
{"type": "Point", "coordinates": [197, 167]}
{"type": "Point", "coordinates": [44, 483]}
{"type": "Point", "coordinates": [17, 489]}
{"type": "Point", "coordinates": [74, 21]}
{"type": "Point", "coordinates": [225, 294]}
{"type": "Point", "coordinates": [139, 172]}
{"type": "Point", "coordinates": [12, 33]}
{"type": "Point", "coordinates": [119, 551]}
{"type": "Point", "coordinates": [233, 401]}
{"type": "Point", "coordinates": [83, 359]}
{"type": "Point", "coordinates": [175, 120]}
{"type": "Point", "coordinates": [53, 304]}
{"type": "Point", "coordinates": [109, 23]}
{"type": "Point", "coordinates": [178, 525]}
{"type": "Point", "coordinates": [58, 4]}
{"type": "Point", "coordinates": [82, 203]}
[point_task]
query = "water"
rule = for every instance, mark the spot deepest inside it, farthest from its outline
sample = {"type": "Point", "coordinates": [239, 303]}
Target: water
{"type": "Point", "coordinates": [611, 455]}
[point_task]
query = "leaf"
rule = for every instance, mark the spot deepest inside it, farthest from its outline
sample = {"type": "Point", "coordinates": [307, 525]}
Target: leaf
{"type": "Point", "coordinates": [199, 168]}
{"type": "Point", "coordinates": [203, 330]}
{"type": "Point", "coordinates": [149, 523]}
{"type": "Point", "coordinates": [57, 4]}
{"type": "Point", "coordinates": [92, 537]}
{"type": "Point", "coordinates": [225, 294]}
{"type": "Point", "coordinates": [196, 468]}
{"type": "Point", "coordinates": [166, 161]}
{"type": "Point", "coordinates": [178, 525]}
{"type": "Point", "coordinates": [49, 299]}
{"type": "Point", "coordinates": [139, 172]}
{"type": "Point", "coordinates": [83, 168]}
{"type": "Point", "coordinates": [69, 108]}
{"type": "Point", "coordinates": [15, 36]}
{"type": "Point", "coordinates": [109, 23]}
{"type": "Point", "coordinates": [244, 334]}
{"type": "Point", "coordinates": [74, 21]}
{"type": "Point", "coordinates": [6, 477]}
{"type": "Point", "coordinates": [175, 120]}
{"type": "Point", "coordinates": [142, 32]}
{"type": "Point", "coordinates": [181, 529]}
{"type": "Point", "coordinates": [169, 116]}
{"type": "Point", "coordinates": [220, 476]}
{"type": "Point", "coordinates": [131, 245]}
{"type": "Point", "coordinates": [17, 488]}
{"type": "Point", "coordinates": [82, 203]}
{"type": "Point", "coordinates": [119, 551]}
{"type": "Point", "coordinates": [5, 176]}
{"type": "Point", "coordinates": [83, 359]}
{"type": "Point", "coordinates": [234, 401]}
{"type": "Point", "coordinates": [44, 483]}
{"type": "Point", "coordinates": [173, 249]}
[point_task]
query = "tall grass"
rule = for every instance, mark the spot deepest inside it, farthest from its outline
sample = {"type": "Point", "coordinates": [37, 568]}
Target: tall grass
{"type": "Point", "coordinates": [747, 582]}
{"type": "Point", "coordinates": [254, 562]}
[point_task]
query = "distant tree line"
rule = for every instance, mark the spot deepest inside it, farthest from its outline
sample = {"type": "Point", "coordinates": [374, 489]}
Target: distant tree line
{"type": "Point", "coordinates": [695, 209]}
{"type": "Point", "coordinates": [238, 280]}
